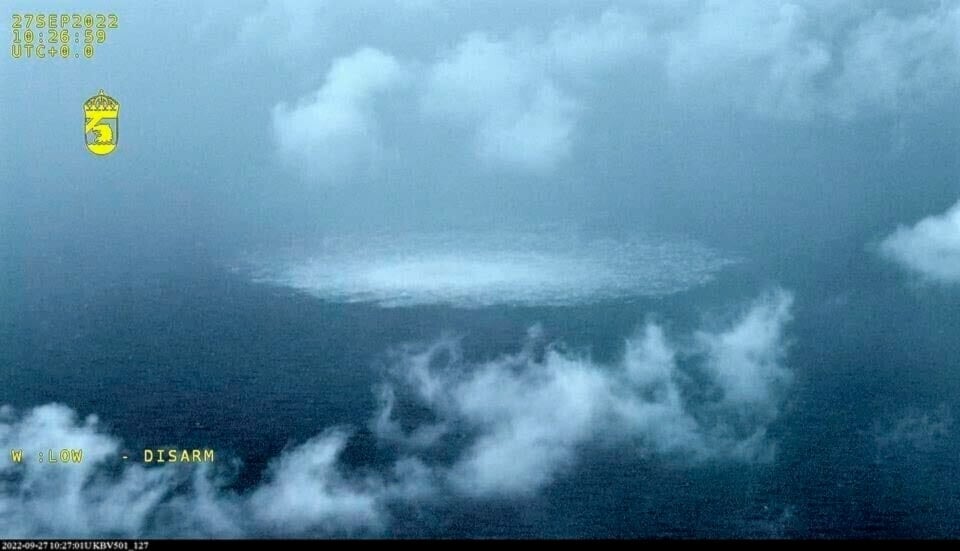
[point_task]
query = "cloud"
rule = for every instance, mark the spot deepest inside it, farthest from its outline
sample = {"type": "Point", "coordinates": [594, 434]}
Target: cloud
{"type": "Point", "coordinates": [305, 491]}
{"type": "Point", "coordinates": [333, 132]}
{"type": "Point", "coordinates": [57, 501]}
{"type": "Point", "coordinates": [529, 414]}
{"type": "Point", "coordinates": [900, 63]}
{"type": "Point", "coordinates": [515, 94]}
{"type": "Point", "coordinates": [795, 60]}
{"type": "Point", "coordinates": [509, 427]}
{"type": "Point", "coordinates": [522, 96]}
{"type": "Point", "coordinates": [521, 118]}
{"type": "Point", "coordinates": [754, 55]}
{"type": "Point", "coordinates": [930, 248]}
{"type": "Point", "coordinates": [54, 500]}
{"type": "Point", "coordinates": [747, 359]}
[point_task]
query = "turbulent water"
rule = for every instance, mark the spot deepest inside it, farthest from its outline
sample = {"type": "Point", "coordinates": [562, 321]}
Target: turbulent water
{"type": "Point", "coordinates": [485, 269]}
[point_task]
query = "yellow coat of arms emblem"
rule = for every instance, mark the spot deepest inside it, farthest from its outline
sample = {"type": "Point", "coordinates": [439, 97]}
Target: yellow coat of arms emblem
{"type": "Point", "coordinates": [101, 113]}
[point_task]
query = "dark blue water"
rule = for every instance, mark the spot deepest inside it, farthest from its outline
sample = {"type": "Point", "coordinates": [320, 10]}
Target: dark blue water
{"type": "Point", "coordinates": [195, 356]}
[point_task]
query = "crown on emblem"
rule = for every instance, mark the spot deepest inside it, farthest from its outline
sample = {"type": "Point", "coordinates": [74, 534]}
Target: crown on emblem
{"type": "Point", "coordinates": [101, 102]}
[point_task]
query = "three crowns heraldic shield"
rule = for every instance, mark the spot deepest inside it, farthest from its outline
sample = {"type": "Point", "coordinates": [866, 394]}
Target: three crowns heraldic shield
{"type": "Point", "coordinates": [101, 114]}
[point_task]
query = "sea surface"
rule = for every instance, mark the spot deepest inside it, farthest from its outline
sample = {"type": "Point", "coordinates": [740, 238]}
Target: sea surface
{"type": "Point", "coordinates": [194, 354]}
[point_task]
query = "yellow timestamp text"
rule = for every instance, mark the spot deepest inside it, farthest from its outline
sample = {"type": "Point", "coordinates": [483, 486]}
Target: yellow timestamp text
{"type": "Point", "coordinates": [60, 35]}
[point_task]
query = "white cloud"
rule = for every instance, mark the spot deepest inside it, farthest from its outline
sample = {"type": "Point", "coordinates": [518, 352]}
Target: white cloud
{"type": "Point", "coordinates": [59, 500]}
{"type": "Point", "coordinates": [752, 54]}
{"type": "Point", "coordinates": [930, 248]}
{"type": "Point", "coordinates": [513, 424]}
{"type": "Point", "coordinates": [515, 93]}
{"type": "Point", "coordinates": [306, 491]}
{"type": "Point", "coordinates": [522, 96]}
{"type": "Point", "coordinates": [101, 496]}
{"type": "Point", "coordinates": [794, 60]}
{"type": "Point", "coordinates": [530, 413]}
{"type": "Point", "coordinates": [747, 359]}
{"type": "Point", "coordinates": [781, 60]}
{"type": "Point", "coordinates": [893, 64]}
{"type": "Point", "coordinates": [334, 131]}
{"type": "Point", "coordinates": [521, 117]}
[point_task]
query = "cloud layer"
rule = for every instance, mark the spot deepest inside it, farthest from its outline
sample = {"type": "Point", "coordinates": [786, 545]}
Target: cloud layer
{"type": "Point", "coordinates": [522, 97]}
{"type": "Point", "coordinates": [794, 60]}
{"type": "Point", "coordinates": [334, 131]}
{"type": "Point", "coordinates": [514, 423]}
{"type": "Point", "coordinates": [930, 248]}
